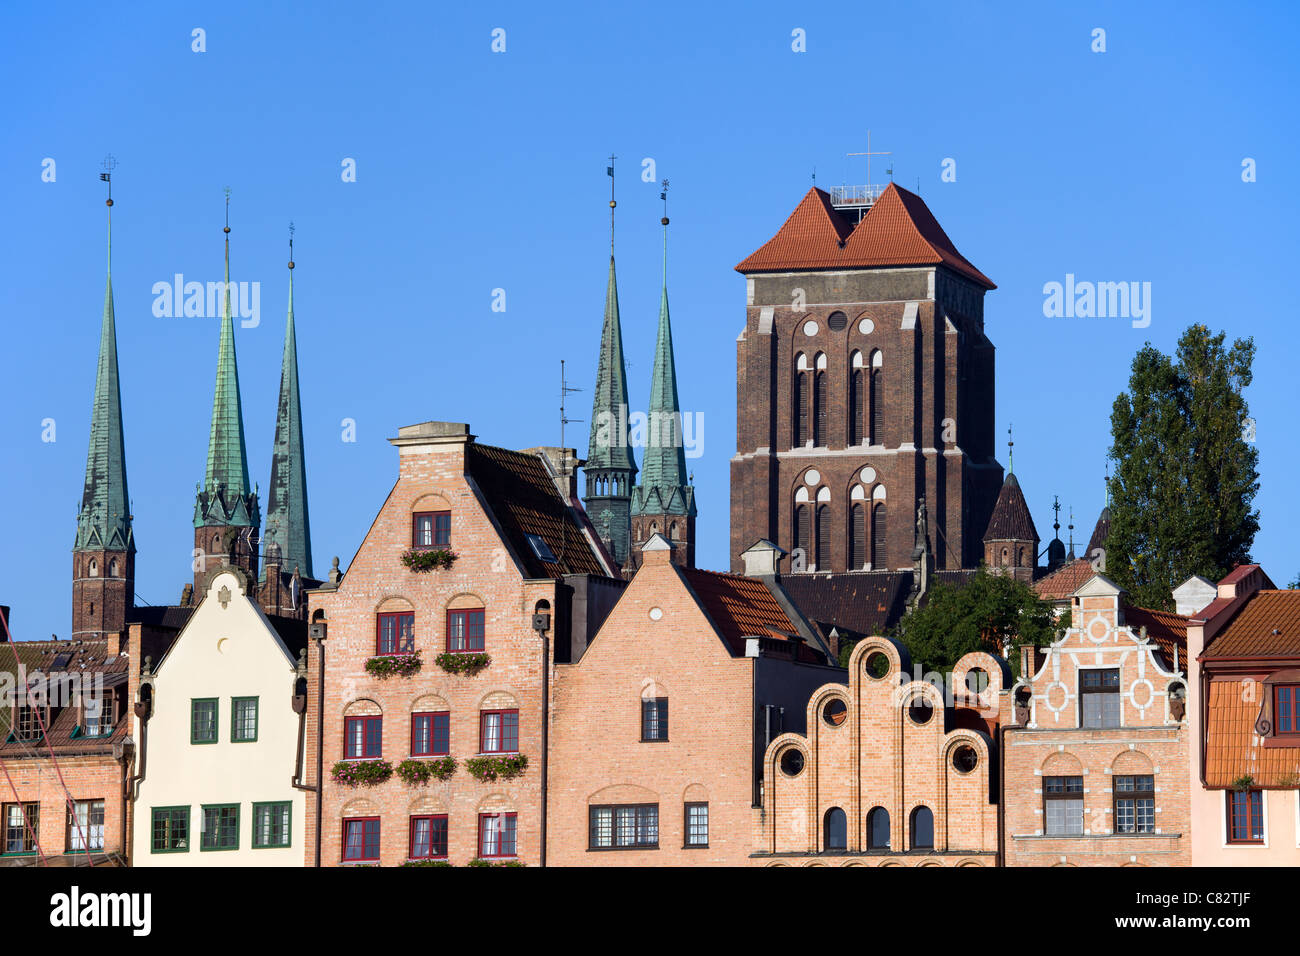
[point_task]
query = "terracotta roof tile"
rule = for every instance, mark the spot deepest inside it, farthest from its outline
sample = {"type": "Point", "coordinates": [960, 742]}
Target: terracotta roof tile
{"type": "Point", "coordinates": [740, 607]}
{"type": "Point", "coordinates": [899, 230]}
{"type": "Point", "coordinates": [857, 603]}
{"type": "Point", "coordinates": [63, 657]}
{"type": "Point", "coordinates": [1065, 580]}
{"type": "Point", "coordinates": [1011, 520]}
{"type": "Point", "coordinates": [1232, 749]}
{"type": "Point", "coordinates": [1165, 629]}
{"type": "Point", "coordinates": [1267, 626]}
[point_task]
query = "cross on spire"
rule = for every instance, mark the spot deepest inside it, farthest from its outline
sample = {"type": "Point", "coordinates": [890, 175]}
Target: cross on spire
{"type": "Point", "coordinates": [869, 154]}
{"type": "Point", "coordinates": [609, 170]}
{"type": "Point", "coordinates": [1010, 445]}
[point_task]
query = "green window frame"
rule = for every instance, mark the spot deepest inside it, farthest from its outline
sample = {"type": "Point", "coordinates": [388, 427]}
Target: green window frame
{"type": "Point", "coordinates": [242, 730]}
{"type": "Point", "coordinates": [166, 821]}
{"type": "Point", "coordinates": [208, 727]}
{"type": "Point", "coordinates": [265, 830]}
{"type": "Point", "coordinates": [226, 828]}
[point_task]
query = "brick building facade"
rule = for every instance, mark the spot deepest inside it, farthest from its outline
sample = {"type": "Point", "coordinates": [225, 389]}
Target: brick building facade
{"type": "Point", "coordinates": [1096, 757]}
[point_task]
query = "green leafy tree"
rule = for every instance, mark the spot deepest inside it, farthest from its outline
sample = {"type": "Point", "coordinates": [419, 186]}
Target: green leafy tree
{"type": "Point", "coordinates": [1185, 467]}
{"type": "Point", "coordinates": [991, 612]}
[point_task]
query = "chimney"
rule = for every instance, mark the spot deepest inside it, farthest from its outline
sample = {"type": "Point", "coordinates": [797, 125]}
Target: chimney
{"type": "Point", "coordinates": [658, 551]}
{"type": "Point", "coordinates": [563, 465]}
{"type": "Point", "coordinates": [433, 438]}
{"type": "Point", "coordinates": [762, 559]}
{"type": "Point", "coordinates": [4, 616]}
{"type": "Point", "coordinates": [1028, 661]}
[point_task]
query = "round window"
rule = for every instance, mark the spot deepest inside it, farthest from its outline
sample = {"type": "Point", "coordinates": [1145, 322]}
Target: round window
{"type": "Point", "coordinates": [835, 712]}
{"type": "Point", "coordinates": [792, 762]}
{"type": "Point", "coordinates": [920, 710]}
{"type": "Point", "coordinates": [837, 321]}
{"type": "Point", "coordinates": [965, 759]}
{"type": "Point", "coordinates": [876, 665]}
{"type": "Point", "coordinates": [977, 680]}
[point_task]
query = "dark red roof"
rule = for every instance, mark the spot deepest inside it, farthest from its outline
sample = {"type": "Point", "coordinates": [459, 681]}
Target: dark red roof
{"type": "Point", "coordinates": [1165, 629]}
{"type": "Point", "coordinates": [1099, 531]}
{"type": "Point", "coordinates": [1232, 747]}
{"type": "Point", "coordinates": [1065, 580]}
{"type": "Point", "coordinates": [1267, 626]}
{"type": "Point", "coordinates": [1011, 520]}
{"type": "Point", "coordinates": [740, 607]}
{"type": "Point", "coordinates": [899, 230]}
{"type": "Point", "coordinates": [857, 603]}
{"type": "Point", "coordinates": [85, 660]}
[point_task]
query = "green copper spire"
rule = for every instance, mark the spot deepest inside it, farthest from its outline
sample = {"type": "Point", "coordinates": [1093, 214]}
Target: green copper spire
{"type": "Point", "coordinates": [664, 487]}
{"type": "Point", "coordinates": [610, 469]}
{"type": "Point", "coordinates": [287, 526]}
{"type": "Point", "coordinates": [104, 523]}
{"type": "Point", "coordinates": [225, 497]}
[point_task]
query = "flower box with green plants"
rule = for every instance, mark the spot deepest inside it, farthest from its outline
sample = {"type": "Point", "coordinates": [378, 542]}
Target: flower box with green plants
{"type": "Point", "coordinates": [364, 773]}
{"type": "Point", "coordinates": [419, 772]}
{"type": "Point", "coordinates": [488, 769]}
{"type": "Point", "coordinates": [462, 663]}
{"type": "Point", "coordinates": [428, 559]}
{"type": "Point", "coordinates": [388, 665]}
{"type": "Point", "coordinates": [480, 862]}
{"type": "Point", "coordinates": [426, 863]}
{"type": "Point", "coordinates": [1243, 783]}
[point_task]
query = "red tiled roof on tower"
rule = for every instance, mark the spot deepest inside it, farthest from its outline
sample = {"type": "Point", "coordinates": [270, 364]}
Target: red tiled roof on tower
{"type": "Point", "coordinates": [899, 230]}
{"type": "Point", "coordinates": [1011, 520]}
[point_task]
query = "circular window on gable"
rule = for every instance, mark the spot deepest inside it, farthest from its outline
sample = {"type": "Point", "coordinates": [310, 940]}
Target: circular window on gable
{"type": "Point", "coordinates": [977, 680]}
{"type": "Point", "coordinates": [965, 759]}
{"type": "Point", "coordinates": [792, 762]}
{"type": "Point", "coordinates": [837, 321]}
{"type": "Point", "coordinates": [835, 712]}
{"type": "Point", "coordinates": [920, 710]}
{"type": "Point", "coordinates": [876, 665]}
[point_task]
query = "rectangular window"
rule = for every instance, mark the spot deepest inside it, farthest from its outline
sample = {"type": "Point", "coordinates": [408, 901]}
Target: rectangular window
{"type": "Point", "coordinates": [697, 824]}
{"type": "Point", "coordinates": [465, 631]}
{"type": "Point", "coordinates": [1245, 816]}
{"type": "Point", "coordinates": [396, 634]}
{"type": "Point", "coordinates": [627, 827]}
{"type": "Point", "coordinates": [1063, 806]}
{"type": "Point", "coordinates": [499, 732]}
{"type": "Point", "coordinates": [171, 830]}
{"type": "Point", "coordinates": [496, 834]}
{"type": "Point", "coordinates": [243, 719]}
{"type": "Point", "coordinates": [363, 737]}
{"type": "Point", "coordinates": [432, 529]}
{"type": "Point", "coordinates": [1099, 692]}
{"type": "Point", "coordinates": [86, 826]}
{"type": "Point", "coordinates": [203, 720]}
{"type": "Point", "coordinates": [271, 825]}
{"type": "Point", "coordinates": [28, 723]}
{"type": "Point", "coordinates": [22, 827]}
{"type": "Point", "coordinates": [361, 839]}
{"type": "Point", "coordinates": [654, 718]}
{"type": "Point", "coordinates": [1135, 804]}
{"type": "Point", "coordinates": [99, 716]}
{"type": "Point", "coordinates": [431, 734]}
{"type": "Point", "coordinates": [220, 827]}
{"type": "Point", "coordinates": [1286, 708]}
{"type": "Point", "coordinates": [428, 837]}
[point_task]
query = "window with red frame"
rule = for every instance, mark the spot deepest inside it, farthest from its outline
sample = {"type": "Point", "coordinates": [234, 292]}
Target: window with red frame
{"type": "Point", "coordinates": [431, 734]}
{"type": "Point", "coordinates": [496, 834]}
{"type": "Point", "coordinates": [363, 737]}
{"type": "Point", "coordinates": [498, 732]}
{"type": "Point", "coordinates": [1245, 816]}
{"type": "Point", "coordinates": [361, 839]}
{"type": "Point", "coordinates": [428, 837]}
{"type": "Point", "coordinates": [1286, 702]}
{"type": "Point", "coordinates": [395, 633]}
{"type": "Point", "coordinates": [431, 529]}
{"type": "Point", "coordinates": [465, 631]}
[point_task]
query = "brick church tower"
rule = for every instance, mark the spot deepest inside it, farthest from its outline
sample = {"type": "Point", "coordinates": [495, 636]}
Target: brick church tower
{"type": "Point", "coordinates": [664, 500]}
{"type": "Point", "coordinates": [226, 512]}
{"type": "Point", "coordinates": [864, 383]}
{"type": "Point", "coordinates": [103, 557]}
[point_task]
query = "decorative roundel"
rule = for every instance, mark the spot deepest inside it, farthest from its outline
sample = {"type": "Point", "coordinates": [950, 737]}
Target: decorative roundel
{"type": "Point", "coordinates": [866, 326]}
{"type": "Point", "coordinates": [792, 762]}
{"type": "Point", "coordinates": [656, 613]}
{"type": "Point", "coordinates": [965, 759]}
{"type": "Point", "coordinates": [810, 328]}
{"type": "Point", "coordinates": [812, 476]}
{"type": "Point", "coordinates": [835, 712]}
{"type": "Point", "coordinates": [837, 321]}
{"type": "Point", "coordinates": [868, 475]}
{"type": "Point", "coordinates": [920, 710]}
{"type": "Point", "coordinates": [876, 665]}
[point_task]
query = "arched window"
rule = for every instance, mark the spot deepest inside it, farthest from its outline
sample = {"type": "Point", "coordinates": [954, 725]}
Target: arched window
{"type": "Point", "coordinates": [856, 398]}
{"type": "Point", "coordinates": [857, 537]}
{"type": "Point", "coordinates": [922, 829]}
{"type": "Point", "coordinates": [94, 568]}
{"type": "Point", "coordinates": [672, 531]}
{"type": "Point", "coordinates": [878, 829]}
{"type": "Point", "coordinates": [801, 530]}
{"type": "Point", "coordinates": [112, 568]}
{"type": "Point", "coordinates": [877, 398]}
{"type": "Point", "coordinates": [820, 403]}
{"type": "Point", "coordinates": [1020, 557]}
{"type": "Point", "coordinates": [835, 830]}
{"type": "Point", "coordinates": [879, 551]}
{"type": "Point", "coordinates": [801, 402]}
{"type": "Point", "coordinates": [823, 537]}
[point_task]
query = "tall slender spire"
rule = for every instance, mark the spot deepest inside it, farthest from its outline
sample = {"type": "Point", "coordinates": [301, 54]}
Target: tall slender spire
{"type": "Point", "coordinates": [287, 524]}
{"type": "Point", "coordinates": [611, 467]}
{"type": "Point", "coordinates": [226, 497]}
{"type": "Point", "coordinates": [664, 487]}
{"type": "Point", "coordinates": [104, 522]}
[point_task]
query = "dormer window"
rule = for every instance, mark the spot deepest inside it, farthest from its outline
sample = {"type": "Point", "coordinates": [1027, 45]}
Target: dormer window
{"type": "Point", "coordinates": [431, 529]}
{"type": "Point", "coordinates": [99, 717]}
{"type": "Point", "coordinates": [1286, 708]}
{"type": "Point", "coordinates": [28, 723]}
{"type": "Point", "coordinates": [541, 548]}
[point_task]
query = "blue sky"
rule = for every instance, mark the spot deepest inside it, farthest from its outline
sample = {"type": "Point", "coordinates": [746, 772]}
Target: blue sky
{"type": "Point", "coordinates": [478, 170]}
